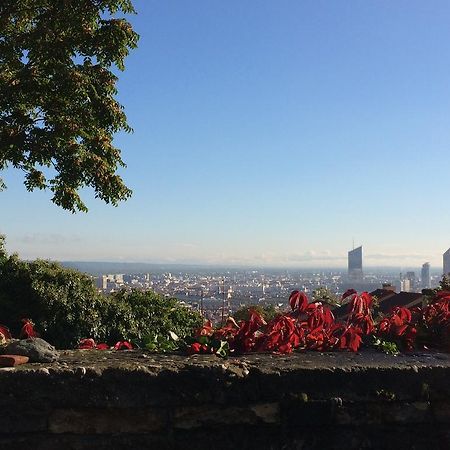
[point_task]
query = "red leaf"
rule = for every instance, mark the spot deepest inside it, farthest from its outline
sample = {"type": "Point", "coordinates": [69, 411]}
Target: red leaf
{"type": "Point", "coordinates": [298, 301]}
{"type": "Point", "coordinates": [347, 293]}
{"type": "Point", "coordinates": [86, 344]}
{"type": "Point", "coordinates": [28, 330]}
{"type": "Point", "coordinates": [123, 345]}
{"type": "Point", "coordinates": [360, 315]}
{"type": "Point", "coordinates": [285, 348]}
{"type": "Point", "coordinates": [5, 331]}
{"type": "Point", "coordinates": [102, 346]}
{"type": "Point", "coordinates": [205, 330]}
{"type": "Point", "coordinates": [228, 331]}
{"type": "Point", "coordinates": [194, 348]}
{"type": "Point", "coordinates": [350, 339]}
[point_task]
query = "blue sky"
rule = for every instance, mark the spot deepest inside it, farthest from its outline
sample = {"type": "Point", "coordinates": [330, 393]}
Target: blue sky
{"type": "Point", "coordinates": [270, 133]}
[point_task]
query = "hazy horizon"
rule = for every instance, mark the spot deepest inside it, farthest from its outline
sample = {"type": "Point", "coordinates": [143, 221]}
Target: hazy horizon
{"type": "Point", "coordinates": [296, 268]}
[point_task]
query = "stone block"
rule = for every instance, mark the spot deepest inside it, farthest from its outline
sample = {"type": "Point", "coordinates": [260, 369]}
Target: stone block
{"type": "Point", "coordinates": [23, 422]}
{"type": "Point", "coordinates": [106, 421]}
{"type": "Point", "coordinates": [441, 412]}
{"type": "Point", "coordinates": [207, 415]}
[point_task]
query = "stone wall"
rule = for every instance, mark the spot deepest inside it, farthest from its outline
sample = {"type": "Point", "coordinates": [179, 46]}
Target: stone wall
{"type": "Point", "coordinates": [106, 400]}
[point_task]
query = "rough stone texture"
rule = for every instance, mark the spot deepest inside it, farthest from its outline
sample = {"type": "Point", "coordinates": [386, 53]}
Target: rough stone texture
{"type": "Point", "coordinates": [36, 349]}
{"type": "Point", "coordinates": [105, 400]}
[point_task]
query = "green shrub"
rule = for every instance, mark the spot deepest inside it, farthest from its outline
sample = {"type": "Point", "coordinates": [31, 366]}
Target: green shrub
{"type": "Point", "coordinates": [145, 314]}
{"type": "Point", "coordinates": [62, 302]}
{"type": "Point", "coordinates": [66, 307]}
{"type": "Point", "coordinates": [267, 311]}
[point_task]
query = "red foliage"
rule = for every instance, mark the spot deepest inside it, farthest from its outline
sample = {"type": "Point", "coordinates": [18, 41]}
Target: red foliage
{"type": "Point", "coordinates": [196, 347]}
{"type": "Point", "coordinates": [298, 301]}
{"type": "Point", "coordinates": [90, 344]}
{"type": "Point", "coordinates": [347, 293]}
{"type": "Point", "coordinates": [123, 345]}
{"type": "Point", "coordinates": [312, 326]}
{"type": "Point", "coordinates": [309, 326]}
{"type": "Point", "coordinates": [281, 335]}
{"type": "Point", "coordinates": [5, 332]}
{"type": "Point", "coordinates": [102, 346]}
{"type": "Point", "coordinates": [87, 344]}
{"type": "Point", "coordinates": [228, 331]}
{"type": "Point", "coordinates": [350, 339]}
{"type": "Point", "coordinates": [248, 335]}
{"type": "Point", "coordinates": [399, 327]}
{"type": "Point", "coordinates": [360, 316]}
{"type": "Point", "coordinates": [28, 330]}
{"type": "Point", "coordinates": [206, 330]}
{"type": "Point", "coordinates": [437, 320]}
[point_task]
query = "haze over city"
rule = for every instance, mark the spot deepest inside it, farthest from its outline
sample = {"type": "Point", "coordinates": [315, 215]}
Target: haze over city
{"type": "Point", "coordinates": [273, 136]}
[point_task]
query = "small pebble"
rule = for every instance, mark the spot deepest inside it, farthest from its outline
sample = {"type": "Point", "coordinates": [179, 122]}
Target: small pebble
{"type": "Point", "coordinates": [81, 371]}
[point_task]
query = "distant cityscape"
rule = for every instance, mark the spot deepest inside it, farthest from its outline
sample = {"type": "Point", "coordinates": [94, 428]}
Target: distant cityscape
{"type": "Point", "coordinates": [215, 291]}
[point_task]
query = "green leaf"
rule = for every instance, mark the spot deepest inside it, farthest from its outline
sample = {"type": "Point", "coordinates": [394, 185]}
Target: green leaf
{"type": "Point", "coordinates": [224, 349]}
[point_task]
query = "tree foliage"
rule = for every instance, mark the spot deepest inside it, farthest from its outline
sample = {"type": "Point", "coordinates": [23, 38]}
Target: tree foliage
{"type": "Point", "coordinates": [58, 111]}
{"type": "Point", "coordinates": [268, 312]}
{"type": "Point", "coordinates": [145, 314]}
{"type": "Point", "coordinates": [323, 294]}
{"type": "Point", "coordinates": [66, 307]}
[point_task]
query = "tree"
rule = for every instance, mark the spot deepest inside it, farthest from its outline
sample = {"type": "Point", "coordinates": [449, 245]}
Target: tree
{"type": "Point", "coordinates": [267, 311]}
{"type": "Point", "coordinates": [323, 294]}
{"type": "Point", "coordinates": [58, 111]}
{"type": "Point", "coordinates": [3, 254]}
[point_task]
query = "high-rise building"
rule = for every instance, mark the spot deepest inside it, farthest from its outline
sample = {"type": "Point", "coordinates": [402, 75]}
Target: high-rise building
{"type": "Point", "coordinates": [405, 285]}
{"type": "Point", "coordinates": [411, 276]}
{"type": "Point", "coordinates": [355, 271]}
{"type": "Point", "coordinates": [446, 258]}
{"type": "Point", "coordinates": [426, 279]}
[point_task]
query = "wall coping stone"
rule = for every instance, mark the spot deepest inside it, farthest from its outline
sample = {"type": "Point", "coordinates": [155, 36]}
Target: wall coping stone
{"type": "Point", "coordinates": [136, 399]}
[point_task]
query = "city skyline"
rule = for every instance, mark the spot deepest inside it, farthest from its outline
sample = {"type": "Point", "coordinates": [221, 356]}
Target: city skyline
{"type": "Point", "coordinates": [268, 136]}
{"type": "Point", "coordinates": [353, 266]}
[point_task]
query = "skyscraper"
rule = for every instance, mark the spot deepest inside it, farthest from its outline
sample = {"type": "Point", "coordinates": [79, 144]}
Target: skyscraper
{"type": "Point", "coordinates": [355, 271]}
{"type": "Point", "coordinates": [426, 279]}
{"type": "Point", "coordinates": [411, 276]}
{"type": "Point", "coordinates": [446, 258]}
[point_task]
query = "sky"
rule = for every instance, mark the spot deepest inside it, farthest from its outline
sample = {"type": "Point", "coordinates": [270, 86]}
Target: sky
{"type": "Point", "coordinates": [269, 133]}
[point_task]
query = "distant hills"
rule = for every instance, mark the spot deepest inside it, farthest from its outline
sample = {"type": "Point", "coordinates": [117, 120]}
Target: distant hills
{"type": "Point", "coordinates": [104, 267]}
{"type": "Point", "coordinates": [99, 267]}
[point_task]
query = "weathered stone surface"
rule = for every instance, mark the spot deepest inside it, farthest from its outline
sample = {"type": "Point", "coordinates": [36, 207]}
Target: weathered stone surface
{"type": "Point", "coordinates": [15, 421]}
{"type": "Point", "coordinates": [36, 349]}
{"type": "Point", "coordinates": [107, 400]}
{"type": "Point", "coordinates": [441, 411]}
{"type": "Point", "coordinates": [106, 421]}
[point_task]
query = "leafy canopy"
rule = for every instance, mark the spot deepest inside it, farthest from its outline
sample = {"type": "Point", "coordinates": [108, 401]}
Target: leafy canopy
{"type": "Point", "coordinates": [58, 111]}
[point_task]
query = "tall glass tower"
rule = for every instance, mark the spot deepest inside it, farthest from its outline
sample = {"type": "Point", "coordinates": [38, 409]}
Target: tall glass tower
{"type": "Point", "coordinates": [446, 257]}
{"type": "Point", "coordinates": [355, 271]}
{"type": "Point", "coordinates": [426, 279]}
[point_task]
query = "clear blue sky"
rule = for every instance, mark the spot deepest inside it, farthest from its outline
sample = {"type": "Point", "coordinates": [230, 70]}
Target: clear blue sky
{"type": "Point", "coordinates": [270, 132]}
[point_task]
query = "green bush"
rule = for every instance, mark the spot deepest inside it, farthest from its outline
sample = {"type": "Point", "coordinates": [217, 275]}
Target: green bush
{"type": "Point", "coordinates": [62, 302]}
{"type": "Point", "coordinates": [141, 315]}
{"type": "Point", "coordinates": [66, 307]}
{"type": "Point", "coordinates": [267, 311]}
